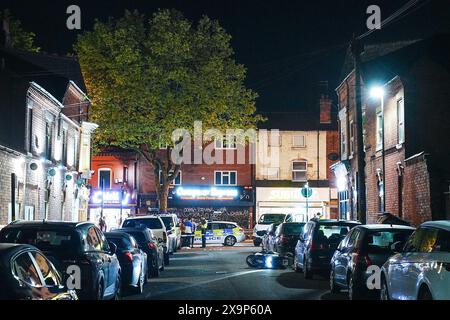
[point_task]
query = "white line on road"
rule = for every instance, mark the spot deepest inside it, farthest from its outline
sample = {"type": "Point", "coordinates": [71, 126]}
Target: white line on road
{"type": "Point", "coordinates": [233, 275]}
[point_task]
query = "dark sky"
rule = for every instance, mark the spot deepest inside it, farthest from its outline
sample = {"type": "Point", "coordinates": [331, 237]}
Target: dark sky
{"type": "Point", "coordinates": [287, 46]}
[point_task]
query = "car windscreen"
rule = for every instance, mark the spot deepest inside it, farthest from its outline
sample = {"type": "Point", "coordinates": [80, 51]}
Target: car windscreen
{"type": "Point", "coordinates": [151, 223]}
{"type": "Point", "coordinates": [121, 243]}
{"type": "Point", "coordinates": [168, 222]}
{"type": "Point", "coordinates": [382, 240]}
{"type": "Point", "coordinates": [54, 240]}
{"type": "Point", "coordinates": [331, 234]}
{"type": "Point", "coordinates": [293, 228]}
{"type": "Point", "coordinates": [271, 218]}
{"type": "Point", "coordinates": [139, 236]}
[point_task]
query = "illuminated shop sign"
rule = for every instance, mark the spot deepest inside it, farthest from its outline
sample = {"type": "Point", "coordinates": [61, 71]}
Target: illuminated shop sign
{"type": "Point", "coordinates": [112, 197]}
{"type": "Point", "coordinates": [211, 195]}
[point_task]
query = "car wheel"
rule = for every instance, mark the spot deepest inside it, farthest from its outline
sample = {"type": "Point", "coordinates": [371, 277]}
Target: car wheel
{"type": "Point", "coordinates": [118, 293]}
{"type": "Point", "coordinates": [333, 287]}
{"type": "Point", "coordinates": [166, 259]}
{"type": "Point", "coordinates": [230, 241]}
{"type": "Point", "coordinates": [384, 293]}
{"type": "Point", "coordinates": [307, 273]}
{"type": "Point", "coordinates": [425, 294]}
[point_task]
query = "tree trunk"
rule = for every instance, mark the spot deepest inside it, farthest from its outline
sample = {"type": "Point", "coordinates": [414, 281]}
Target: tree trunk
{"type": "Point", "coordinates": [163, 195]}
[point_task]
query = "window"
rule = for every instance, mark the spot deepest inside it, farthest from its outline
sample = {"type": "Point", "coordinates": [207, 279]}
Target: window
{"type": "Point", "coordinates": [93, 241]}
{"type": "Point", "coordinates": [104, 178]}
{"type": "Point", "coordinates": [426, 240]}
{"type": "Point", "coordinates": [75, 150]}
{"type": "Point", "coordinates": [25, 270]}
{"type": "Point", "coordinates": [48, 139]}
{"type": "Point", "coordinates": [30, 129]}
{"type": "Point", "coordinates": [298, 141]}
{"type": "Point", "coordinates": [352, 137]}
{"type": "Point", "coordinates": [273, 173]}
{"type": "Point", "coordinates": [299, 169]}
{"type": "Point", "coordinates": [379, 130]}
{"type": "Point", "coordinates": [400, 121]}
{"type": "Point", "coordinates": [227, 142]}
{"type": "Point", "coordinates": [343, 139]}
{"type": "Point", "coordinates": [226, 178]}
{"type": "Point", "coordinates": [49, 274]}
{"type": "Point", "coordinates": [274, 140]}
{"type": "Point", "coordinates": [64, 147]}
{"type": "Point", "coordinates": [125, 174]}
{"type": "Point", "coordinates": [175, 182]}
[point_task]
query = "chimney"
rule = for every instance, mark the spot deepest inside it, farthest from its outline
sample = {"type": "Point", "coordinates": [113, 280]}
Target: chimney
{"type": "Point", "coordinates": [325, 109]}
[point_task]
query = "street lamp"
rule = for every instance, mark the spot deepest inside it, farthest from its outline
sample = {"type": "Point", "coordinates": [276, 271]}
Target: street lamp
{"type": "Point", "coordinates": [378, 92]}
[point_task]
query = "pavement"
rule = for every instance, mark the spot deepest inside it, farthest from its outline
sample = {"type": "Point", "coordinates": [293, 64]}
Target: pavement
{"type": "Point", "coordinates": [221, 273]}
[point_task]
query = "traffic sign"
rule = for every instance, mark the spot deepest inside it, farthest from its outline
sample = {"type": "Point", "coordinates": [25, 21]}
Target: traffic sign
{"type": "Point", "coordinates": [307, 192]}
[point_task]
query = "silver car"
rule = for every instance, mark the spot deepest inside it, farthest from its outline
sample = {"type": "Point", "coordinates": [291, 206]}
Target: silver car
{"type": "Point", "coordinates": [421, 271]}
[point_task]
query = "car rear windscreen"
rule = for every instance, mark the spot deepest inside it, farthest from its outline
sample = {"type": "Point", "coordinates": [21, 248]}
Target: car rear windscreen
{"type": "Point", "coordinates": [45, 239]}
{"type": "Point", "coordinates": [293, 228]}
{"type": "Point", "coordinates": [139, 236]}
{"type": "Point", "coordinates": [121, 243]}
{"type": "Point", "coordinates": [331, 234]}
{"type": "Point", "coordinates": [151, 223]}
{"type": "Point", "coordinates": [271, 218]}
{"type": "Point", "coordinates": [381, 241]}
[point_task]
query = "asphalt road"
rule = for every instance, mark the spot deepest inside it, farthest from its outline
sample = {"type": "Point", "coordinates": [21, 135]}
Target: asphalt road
{"type": "Point", "coordinates": [220, 273]}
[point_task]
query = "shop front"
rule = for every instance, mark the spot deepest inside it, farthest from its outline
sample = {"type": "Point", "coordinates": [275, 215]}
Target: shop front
{"type": "Point", "coordinates": [292, 201]}
{"type": "Point", "coordinates": [230, 203]}
{"type": "Point", "coordinates": [114, 205]}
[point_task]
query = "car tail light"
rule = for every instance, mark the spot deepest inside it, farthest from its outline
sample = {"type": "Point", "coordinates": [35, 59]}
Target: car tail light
{"type": "Point", "coordinates": [360, 258]}
{"type": "Point", "coordinates": [129, 256]}
{"type": "Point", "coordinates": [151, 245]}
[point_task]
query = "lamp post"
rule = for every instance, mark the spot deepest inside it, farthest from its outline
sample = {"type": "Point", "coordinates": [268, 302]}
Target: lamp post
{"type": "Point", "coordinates": [378, 92]}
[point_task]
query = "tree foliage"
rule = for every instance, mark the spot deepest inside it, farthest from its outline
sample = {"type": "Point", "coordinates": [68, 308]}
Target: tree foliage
{"type": "Point", "coordinates": [19, 38]}
{"type": "Point", "coordinates": [148, 77]}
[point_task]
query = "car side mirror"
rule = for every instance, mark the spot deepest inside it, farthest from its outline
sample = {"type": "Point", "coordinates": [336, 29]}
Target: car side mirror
{"type": "Point", "coordinates": [397, 246]}
{"type": "Point", "coordinates": [112, 247]}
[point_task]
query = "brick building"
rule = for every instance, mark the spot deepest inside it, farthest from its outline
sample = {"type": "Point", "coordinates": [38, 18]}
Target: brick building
{"type": "Point", "coordinates": [416, 81]}
{"type": "Point", "coordinates": [305, 146]}
{"type": "Point", "coordinates": [217, 191]}
{"type": "Point", "coordinates": [41, 144]}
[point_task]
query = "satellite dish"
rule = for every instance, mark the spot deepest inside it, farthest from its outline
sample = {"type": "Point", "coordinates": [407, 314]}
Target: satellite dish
{"type": "Point", "coordinates": [33, 166]}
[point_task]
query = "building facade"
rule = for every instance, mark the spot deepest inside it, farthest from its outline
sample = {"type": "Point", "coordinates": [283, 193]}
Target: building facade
{"type": "Point", "coordinates": [303, 149]}
{"type": "Point", "coordinates": [416, 180]}
{"type": "Point", "coordinates": [40, 146]}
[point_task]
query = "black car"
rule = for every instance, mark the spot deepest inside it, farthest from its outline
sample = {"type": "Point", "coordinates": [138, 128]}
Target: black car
{"type": "Point", "coordinates": [133, 261]}
{"type": "Point", "coordinates": [26, 274]}
{"type": "Point", "coordinates": [268, 235]}
{"type": "Point", "coordinates": [286, 237]}
{"type": "Point", "coordinates": [150, 245]}
{"type": "Point", "coordinates": [70, 245]}
{"type": "Point", "coordinates": [317, 244]}
{"type": "Point", "coordinates": [364, 246]}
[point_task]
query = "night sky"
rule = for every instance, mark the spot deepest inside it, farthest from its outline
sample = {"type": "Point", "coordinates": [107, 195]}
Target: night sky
{"type": "Point", "coordinates": [289, 47]}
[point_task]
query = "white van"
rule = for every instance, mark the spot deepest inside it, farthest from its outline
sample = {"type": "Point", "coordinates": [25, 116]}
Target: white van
{"type": "Point", "coordinates": [266, 219]}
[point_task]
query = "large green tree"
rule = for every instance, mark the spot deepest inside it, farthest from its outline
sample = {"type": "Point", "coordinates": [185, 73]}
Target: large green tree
{"type": "Point", "coordinates": [149, 77]}
{"type": "Point", "coordinates": [18, 37]}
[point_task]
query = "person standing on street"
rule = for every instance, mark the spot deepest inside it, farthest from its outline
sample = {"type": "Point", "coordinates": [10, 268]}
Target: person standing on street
{"type": "Point", "coordinates": [203, 227]}
{"type": "Point", "coordinates": [189, 230]}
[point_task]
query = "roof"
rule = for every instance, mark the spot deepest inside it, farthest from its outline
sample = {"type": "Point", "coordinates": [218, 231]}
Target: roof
{"type": "Point", "coordinates": [385, 227]}
{"type": "Point", "coordinates": [52, 72]}
{"type": "Point", "coordinates": [297, 121]}
{"type": "Point", "coordinates": [440, 224]}
{"type": "Point", "coordinates": [117, 233]}
{"type": "Point", "coordinates": [38, 223]}
{"type": "Point", "coordinates": [223, 222]}
{"type": "Point", "coordinates": [335, 221]}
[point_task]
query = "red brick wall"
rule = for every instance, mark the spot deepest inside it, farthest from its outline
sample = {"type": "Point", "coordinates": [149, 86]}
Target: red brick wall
{"type": "Point", "coordinates": [417, 208]}
{"type": "Point", "coordinates": [115, 162]}
{"type": "Point", "coordinates": [332, 147]}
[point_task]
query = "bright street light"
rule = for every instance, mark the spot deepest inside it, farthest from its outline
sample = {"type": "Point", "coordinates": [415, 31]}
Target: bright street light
{"type": "Point", "coordinates": [377, 92]}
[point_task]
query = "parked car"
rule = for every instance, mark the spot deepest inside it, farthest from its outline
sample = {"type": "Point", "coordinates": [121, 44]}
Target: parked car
{"type": "Point", "coordinates": [364, 246]}
{"type": "Point", "coordinates": [156, 224]}
{"type": "Point", "coordinates": [268, 235]}
{"type": "Point", "coordinates": [224, 232]}
{"type": "Point", "coordinates": [26, 274]}
{"type": "Point", "coordinates": [70, 243]}
{"type": "Point", "coordinates": [173, 230]}
{"type": "Point", "coordinates": [149, 244]}
{"type": "Point", "coordinates": [286, 237]}
{"type": "Point", "coordinates": [317, 243]}
{"type": "Point", "coordinates": [421, 269]}
{"type": "Point", "coordinates": [133, 261]}
{"type": "Point", "coordinates": [265, 221]}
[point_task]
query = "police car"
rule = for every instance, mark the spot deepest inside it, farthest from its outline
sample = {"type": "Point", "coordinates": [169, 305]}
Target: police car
{"type": "Point", "coordinates": [224, 232]}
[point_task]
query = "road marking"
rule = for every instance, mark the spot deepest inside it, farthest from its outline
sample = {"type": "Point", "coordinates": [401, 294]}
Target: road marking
{"type": "Point", "coordinates": [233, 275]}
